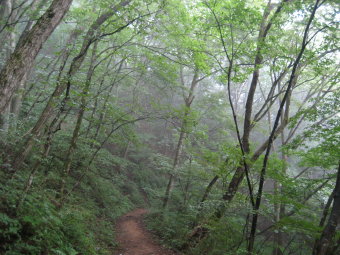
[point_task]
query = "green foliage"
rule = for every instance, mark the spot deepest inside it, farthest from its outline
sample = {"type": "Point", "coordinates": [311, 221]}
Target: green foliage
{"type": "Point", "coordinates": [319, 144]}
{"type": "Point", "coordinates": [33, 223]}
{"type": "Point", "coordinates": [135, 108]}
{"type": "Point", "coordinates": [171, 227]}
{"type": "Point", "coordinates": [34, 228]}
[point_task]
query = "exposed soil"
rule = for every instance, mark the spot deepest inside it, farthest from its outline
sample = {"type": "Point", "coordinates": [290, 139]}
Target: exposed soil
{"type": "Point", "coordinates": [134, 239]}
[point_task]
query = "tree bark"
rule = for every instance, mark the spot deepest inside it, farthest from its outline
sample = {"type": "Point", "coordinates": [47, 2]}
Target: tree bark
{"type": "Point", "coordinates": [7, 12]}
{"type": "Point", "coordinates": [20, 61]}
{"type": "Point", "coordinates": [16, 100]}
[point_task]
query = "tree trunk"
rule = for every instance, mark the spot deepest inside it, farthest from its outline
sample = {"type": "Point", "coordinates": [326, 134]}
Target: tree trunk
{"type": "Point", "coordinates": [285, 100]}
{"type": "Point", "coordinates": [21, 60]}
{"type": "Point", "coordinates": [187, 185]}
{"type": "Point", "coordinates": [64, 84]}
{"type": "Point", "coordinates": [47, 112]}
{"type": "Point", "coordinates": [178, 151]}
{"type": "Point", "coordinates": [16, 101]}
{"type": "Point", "coordinates": [250, 99]}
{"type": "Point", "coordinates": [73, 143]}
{"type": "Point", "coordinates": [7, 12]}
{"type": "Point", "coordinates": [279, 208]}
{"type": "Point", "coordinates": [240, 171]}
{"type": "Point", "coordinates": [183, 132]}
{"type": "Point", "coordinates": [208, 188]}
{"type": "Point", "coordinates": [99, 91]}
{"type": "Point", "coordinates": [325, 245]}
{"type": "Point", "coordinates": [105, 104]}
{"type": "Point", "coordinates": [205, 196]}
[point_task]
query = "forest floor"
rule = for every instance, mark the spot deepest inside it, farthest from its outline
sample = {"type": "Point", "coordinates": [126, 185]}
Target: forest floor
{"type": "Point", "coordinates": [134, 239]}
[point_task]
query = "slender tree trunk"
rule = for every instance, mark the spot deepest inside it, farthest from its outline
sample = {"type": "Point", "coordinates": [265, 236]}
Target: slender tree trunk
{"type": "Point", "coordinates": [183, 132]}
{"type": "Point", "coordinates": [204, 198]}
{"type": "Point", "coordinates": [187, 185]}
{"type": "Point", "coordinates": [208, 188]}
{"type": "Point", "coordinates": [326, 244]}
{"type": "Point", "coordinates": [93, 156]}
{"type": "Point", "coordinates": [323, 219]}
{"type": "Point", "coordinates": [253, 85]}
{"type": "Point", "coordinates": [46, 151]}
{"type": "Point", "coordinates": [279, 208]}
{"type": "Point", "coordinates": [95, 106]}
{"type": "Point", "coordinates": [106, 100]}
{"type": "Point", "coordinates": [240, 171]}
{"type": "Point", "coordinates": [286, 97]}
{"type": "Point", "coordinates": [125, 155]}
{"type": "Point", "coordinates": [178, 151]}
{"type": "Point", "coordinates": [277, 217]}
{"type": "Point", "coordinates": [73, 143]}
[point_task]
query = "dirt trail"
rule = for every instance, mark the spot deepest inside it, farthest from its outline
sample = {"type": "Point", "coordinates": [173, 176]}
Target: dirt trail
{"type": "Point", "coordinates": [134, 239]}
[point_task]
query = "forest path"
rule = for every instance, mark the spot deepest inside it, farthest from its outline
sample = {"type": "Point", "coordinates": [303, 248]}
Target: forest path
{"type": "Point", "coordinates": [134, 239]}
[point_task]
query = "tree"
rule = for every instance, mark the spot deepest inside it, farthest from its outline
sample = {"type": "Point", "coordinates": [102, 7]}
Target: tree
{"type": "Point", "coordinates": [19, 63]}
{"type": "Point", "coordinates": [65, 82]}
{"type": "Point", "coordinates": [220, 117]}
